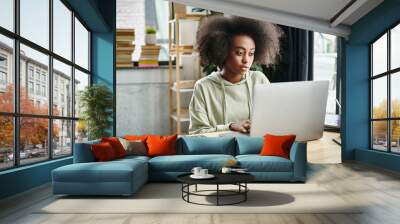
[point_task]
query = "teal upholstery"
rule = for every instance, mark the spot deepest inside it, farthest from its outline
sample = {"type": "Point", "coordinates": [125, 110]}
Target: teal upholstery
{"type": "Point", "coordinates": [119, 177]}
{"type": "Point", "coordinates": [125, 176]}
{"type": "Point", "coordinates": [249, 145]}
{"type": "Point", "coordinates": [194, 145]}
{"type": "Point", "coordinates": [184, 163]}
{"type": "Point", "coordinates": [257, 163]}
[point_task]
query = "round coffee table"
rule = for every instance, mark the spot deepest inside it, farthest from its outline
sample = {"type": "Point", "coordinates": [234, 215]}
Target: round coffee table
{"type": "Point", "coordinates": [238, 179]}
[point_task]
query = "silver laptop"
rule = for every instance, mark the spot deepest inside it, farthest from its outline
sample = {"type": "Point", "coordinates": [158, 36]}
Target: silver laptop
{"type": "Point", "coordinates": [290, 108]}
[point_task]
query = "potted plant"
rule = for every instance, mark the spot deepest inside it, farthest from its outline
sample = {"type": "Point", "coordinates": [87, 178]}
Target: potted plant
{"type": "Point", "coordinates": [96, 102]}
{"type": "Point", "coordinates": [150, 38]}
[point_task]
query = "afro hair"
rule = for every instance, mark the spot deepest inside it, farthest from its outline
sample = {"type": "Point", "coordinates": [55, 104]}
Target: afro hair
{"type": "Point", "coordinates": [215, 35]}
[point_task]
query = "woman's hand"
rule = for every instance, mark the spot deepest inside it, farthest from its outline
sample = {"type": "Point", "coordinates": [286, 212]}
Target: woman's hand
{"type": "Point", "coordinates": [243, 126]}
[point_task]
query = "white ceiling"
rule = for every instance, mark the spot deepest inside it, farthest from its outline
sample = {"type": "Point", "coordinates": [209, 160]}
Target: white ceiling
{"type": "Point", "coordinates": [316, 15]}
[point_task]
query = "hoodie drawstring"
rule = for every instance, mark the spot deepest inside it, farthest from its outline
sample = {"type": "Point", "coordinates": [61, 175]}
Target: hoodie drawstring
{"type": "Point", "coordinates": [249, 102]}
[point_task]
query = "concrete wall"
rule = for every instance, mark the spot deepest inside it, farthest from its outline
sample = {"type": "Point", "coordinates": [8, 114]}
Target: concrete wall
{"type": "Point", "coordinates": [143, 98]}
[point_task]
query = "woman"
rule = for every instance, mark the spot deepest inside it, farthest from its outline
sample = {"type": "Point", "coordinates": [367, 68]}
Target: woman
{"type": "Point", "coordinates": [222, 100]}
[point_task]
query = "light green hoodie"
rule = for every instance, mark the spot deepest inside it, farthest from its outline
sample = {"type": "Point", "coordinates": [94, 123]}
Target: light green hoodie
{"type": "Point", "coordinates": [216, 102]}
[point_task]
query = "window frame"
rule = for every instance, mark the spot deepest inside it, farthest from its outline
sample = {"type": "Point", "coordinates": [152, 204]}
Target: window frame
{"type": "Point", "coordinates": [388, 74]}
{"type": "Point", "coordinates": [16, 114]}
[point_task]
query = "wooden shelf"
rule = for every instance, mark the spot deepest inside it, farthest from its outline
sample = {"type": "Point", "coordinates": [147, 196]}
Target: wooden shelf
{"type": "Point", "coordinates": [186, 17]}
{"type": "Point", "coordinates": [176, 49]}
{"type": "Point", "coordinates": [182, 90]}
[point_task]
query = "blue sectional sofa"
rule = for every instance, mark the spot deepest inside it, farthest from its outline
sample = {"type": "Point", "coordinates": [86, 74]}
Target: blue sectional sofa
{"type": "Point", "coordinates": [125, 176]}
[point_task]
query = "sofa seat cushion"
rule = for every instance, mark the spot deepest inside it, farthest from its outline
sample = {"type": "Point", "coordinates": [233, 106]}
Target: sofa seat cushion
{"type": "Point", "coordinates": [185, 163]}
{"type": "Point", "coordinates": [257, 163]}
{"type": "Point", "coordinates": [200, 145]}
{"type": "Point", "coordinates": [112, 171]}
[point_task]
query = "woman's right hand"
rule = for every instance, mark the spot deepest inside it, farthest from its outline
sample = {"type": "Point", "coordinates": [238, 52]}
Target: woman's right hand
{"type": "Point", "coordinates": [243, 126]}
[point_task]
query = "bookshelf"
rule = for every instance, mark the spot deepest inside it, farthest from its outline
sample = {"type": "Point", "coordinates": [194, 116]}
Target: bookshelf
{"type": "Point", "coordinates": [179, 113]}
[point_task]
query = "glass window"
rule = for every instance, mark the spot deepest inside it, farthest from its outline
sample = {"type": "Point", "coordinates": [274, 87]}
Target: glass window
{"type": "Point", "coordinates": [388, 81]}
{"type": "Point", "coordinates": [81, 82]}
{"type": "Point", "coordinates": [33, 140]}
{"type": "Point", "coordinates": [379, 56]}
{"type": "Point", "coordinates": [40, 62]}
{"type": "Point", "coordinates": [62, 29]}
{"type": "Point", "coordinates": [62, 137]}
{"type": "Point", "coordinates": [81, 131]}
{"type": "Point", "coordinates": [395, 95]}
{"type": "Point", "coordinates": [379, 135]}
{"type": "Point", "coordinates": [395, 47]}
{"type": "Point", "coordinates": [35, 21]}
{"type": "Point", "coordinates": [379, 98]}
{"type": "Point", "coordinates": [6, 142]}
{"type": "Point", "coordinates": [30, 87]}
{"type": "Point", "coordinates": [7, 14]}
{"type": "Point", "coordinates": [395, 136]}
{"type": "Point", "coordinates": [62, 72]}
{"type": "Point", "coordinates": [81, 45]}
{"type": "Point", "coordinates": [325, 61]}
{"type": "Point", "coordinates": [6, 75]}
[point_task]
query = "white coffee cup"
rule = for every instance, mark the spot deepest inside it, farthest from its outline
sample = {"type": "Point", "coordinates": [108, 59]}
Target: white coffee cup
{"type": "Point", "coordinates": [226, 170]}
{"type": "Point", "coordinates": [203, 172]}
{"type": "Point", "coordinates": [196, 171]}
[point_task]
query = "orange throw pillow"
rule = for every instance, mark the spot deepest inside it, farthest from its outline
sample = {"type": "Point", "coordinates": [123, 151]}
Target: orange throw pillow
{"type": "Point", "coordinates": [142, 138]}
{"type": "Point", "coordinates": [116, 145]}
{"type": "Point", "coordinates": [161, 145]}
{"type": "Point", "coordinates": [277, 145]}
{"type": "Point", "coordinates": [103, 152]}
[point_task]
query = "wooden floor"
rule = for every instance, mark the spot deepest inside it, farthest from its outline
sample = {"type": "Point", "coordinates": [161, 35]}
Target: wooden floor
{"type": "Point", "coordinates": [378, 189]}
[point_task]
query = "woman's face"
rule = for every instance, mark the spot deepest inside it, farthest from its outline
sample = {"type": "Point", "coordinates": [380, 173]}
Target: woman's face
{"type": "Point", "coordinates": [241, 55]}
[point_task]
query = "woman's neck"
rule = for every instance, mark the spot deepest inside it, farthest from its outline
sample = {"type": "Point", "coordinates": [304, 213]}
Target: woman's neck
{"type": "Point", "coordinates": [231, 77]}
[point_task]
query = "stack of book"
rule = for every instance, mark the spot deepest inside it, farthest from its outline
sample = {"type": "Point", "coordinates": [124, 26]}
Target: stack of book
{"type": "Point", "coordinates": [125, 47]}
{"type": "Point", "coordinates": [149, 56]}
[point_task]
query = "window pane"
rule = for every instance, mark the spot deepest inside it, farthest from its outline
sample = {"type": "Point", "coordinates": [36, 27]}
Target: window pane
{"type": "Point", "coordinates": [6, 74]}
{"type": "Point", "coordinates": [379, 97]}
{"type": "Point", "coordinates": [81, 131]}
{"type": "Point", "coordinates": [62, 29]}
{"type": "Point", "coordinates": [395, 138]}
{"type": "Point", "coordinates": [81, 45]}
{"type": "Point", "coordinates": [379, 135]}
{"type": "Point", "coordinates": [62, 89]}
{"type": "Point", "coordinates": [379, 55]}
{"type": "Point", "coordinates": [35, 21]}
{"type": "Point", "coordinates": [6, 142]}
{"type": "Point", "coordinates": [62, 138]}
{"type": "Point", "coordinates": [33, 139]}
{"type": "Point", "coordinates": [7, 14]}
{"type": "Point", "coordinates": [34, 97]}
{"type": "Point", "coordinates": [325, 61]}
{"type": "Point", "coordinates": [395, 47]}
{"type": "Point", "coordinates": [81, 81]}
{"type": "Point", "coordinates": [395, 94]}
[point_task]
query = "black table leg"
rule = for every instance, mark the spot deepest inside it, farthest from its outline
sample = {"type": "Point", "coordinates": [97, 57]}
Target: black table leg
{"type": "Point", "coordinates": [196, 188]}
{"type": "Point", "coordinates": [217, 194]}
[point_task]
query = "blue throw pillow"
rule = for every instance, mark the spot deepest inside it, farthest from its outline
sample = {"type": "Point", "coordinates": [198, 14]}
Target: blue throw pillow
{"type": "Point", "coordinates": [195, 145]}
{"type": "Point", "coordinates": [249, 145]}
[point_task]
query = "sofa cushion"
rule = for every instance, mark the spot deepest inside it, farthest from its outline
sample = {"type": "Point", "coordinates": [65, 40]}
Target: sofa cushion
{"type": "Point", "coordinates": [111, 171]}
{"type": "Point", "coordinates": [196, 145]}
{"type": "Point", "coordinates": [103, 152]}
{"type": "Point", "coordinates": [116, 145]}
{"type": "Point", "coordinates": [185, 163]}
{"type": "Point", "coordinates": [249, 145]}
{"type": "Point", "coordinates": [277, 145]}
{"type": "Point", "coordinates": [83, 152]}
{"type": "Point", "coordinates": [257, 163]}
{"type": "Point", "coordinates": [161, 145]}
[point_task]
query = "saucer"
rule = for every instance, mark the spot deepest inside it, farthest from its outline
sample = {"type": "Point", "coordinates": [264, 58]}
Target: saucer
{"type": "Point", "coordinates": [208, 176]}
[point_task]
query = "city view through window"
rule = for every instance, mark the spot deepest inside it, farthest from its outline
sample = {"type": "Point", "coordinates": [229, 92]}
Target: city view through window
{"type": "Point", "coordinates": [28, 119]}
{"type": "Point", "coordinates": [385, 91]}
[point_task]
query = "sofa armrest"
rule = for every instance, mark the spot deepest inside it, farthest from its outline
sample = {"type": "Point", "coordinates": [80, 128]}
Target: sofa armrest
{"type": "Point", "coordinates": [298, 155]}
{"type": "Point", "coordinates": [83, 152]}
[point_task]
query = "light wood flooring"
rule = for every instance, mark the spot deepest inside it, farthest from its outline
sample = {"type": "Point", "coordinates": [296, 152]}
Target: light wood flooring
{"type": "Point", "coordinates": [378, 189]}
